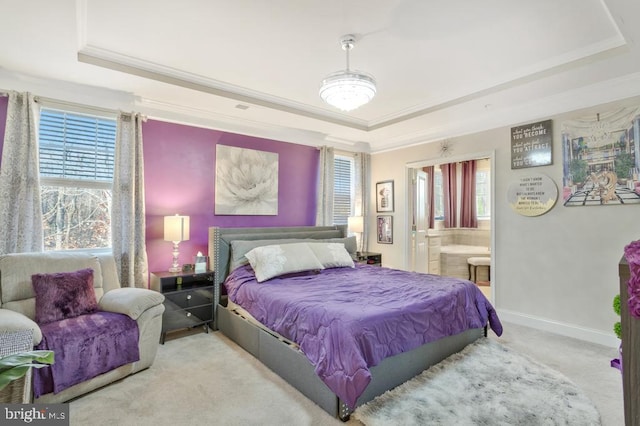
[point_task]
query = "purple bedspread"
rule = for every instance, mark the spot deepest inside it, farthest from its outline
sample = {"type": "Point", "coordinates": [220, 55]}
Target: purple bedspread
{"type": "Point", "coordinates": [349, 319]}
{"type": "Point", "coordinates": [85, 347]}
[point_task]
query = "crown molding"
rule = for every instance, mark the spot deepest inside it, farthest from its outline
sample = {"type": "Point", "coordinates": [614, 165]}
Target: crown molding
{"type": "Point", "coordinates": [141, 68]}
{"type": "Point", "coordinates": [612, 90]}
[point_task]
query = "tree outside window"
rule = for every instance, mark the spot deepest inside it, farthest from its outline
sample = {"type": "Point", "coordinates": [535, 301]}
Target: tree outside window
{"type": "Point", "coordinates": [76, 173]}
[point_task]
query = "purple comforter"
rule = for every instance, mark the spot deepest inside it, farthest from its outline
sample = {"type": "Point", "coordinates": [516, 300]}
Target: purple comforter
{"type": "Point", "coordinates": [349, 319]}
{"type": "Point", "coordinates": [85, 347]}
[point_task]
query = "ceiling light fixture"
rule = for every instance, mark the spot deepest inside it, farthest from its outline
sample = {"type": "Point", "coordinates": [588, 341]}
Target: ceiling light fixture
{"type": "Point", "coordinates": [348, 90]}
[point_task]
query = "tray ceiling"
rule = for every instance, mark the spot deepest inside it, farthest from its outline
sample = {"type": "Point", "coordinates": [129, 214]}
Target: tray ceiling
{"type": "Point", "coordinates": [443, 68]}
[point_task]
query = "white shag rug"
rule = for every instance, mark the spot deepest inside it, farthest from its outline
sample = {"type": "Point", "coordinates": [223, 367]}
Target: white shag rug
{"type": "Point", "coordinates": [485, 384]}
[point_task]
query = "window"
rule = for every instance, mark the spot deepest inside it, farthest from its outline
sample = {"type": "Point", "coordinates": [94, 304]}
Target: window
{"type": "Point", "coordinates": [343, 188]}
{"type": "Point", "coordinates": [76, 176]}
{"type": "Point", "coordinates": [483, 195]}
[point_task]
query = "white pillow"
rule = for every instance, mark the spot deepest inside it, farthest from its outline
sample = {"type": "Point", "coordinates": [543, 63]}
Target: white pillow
{"type": "Point", "coordinates": [241, 247]}
{"type": "Point", "coordinates": [332, 255]}
{"type": "Point", "coordinates": [275, 260]}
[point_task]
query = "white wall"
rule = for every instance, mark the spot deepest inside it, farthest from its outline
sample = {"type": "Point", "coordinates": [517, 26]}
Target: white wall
{"type": "Point", "coordinates": [558, 271]}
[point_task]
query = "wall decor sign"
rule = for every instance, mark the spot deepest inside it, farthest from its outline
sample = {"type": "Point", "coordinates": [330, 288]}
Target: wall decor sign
{"type": "Point", "coordinates": [532, 195]}
{"type": "Point", "coordinates": [531, 145]}
{"type": "Point", "coordinates": [385, 229]}
{"type": "Point", "coordinates": [246, 182]}
{"type": "Point", "coordinates": [384, 196]}
{"type": "Point", "coordinates": [601, 159]}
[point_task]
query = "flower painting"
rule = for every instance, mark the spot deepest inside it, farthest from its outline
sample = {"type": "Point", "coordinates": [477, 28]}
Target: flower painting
{"type": "Point", "coordinates": [246, 182]}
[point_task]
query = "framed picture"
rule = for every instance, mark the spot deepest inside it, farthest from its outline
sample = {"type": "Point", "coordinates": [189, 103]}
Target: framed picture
{"type": "Point", "coordinates": [600, 159]}
{"type": "Point", "coordinates": [384, 196]}
{"type": "Point", "coordinates": [256, 193]}
{"type": "Point", "coordinates": [385, 229]}
{"type": "Point", "coordinates": [531, 145]}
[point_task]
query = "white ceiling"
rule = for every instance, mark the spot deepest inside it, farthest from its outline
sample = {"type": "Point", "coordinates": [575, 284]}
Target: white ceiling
{"type": "Point", "coordinates": [443, 67]}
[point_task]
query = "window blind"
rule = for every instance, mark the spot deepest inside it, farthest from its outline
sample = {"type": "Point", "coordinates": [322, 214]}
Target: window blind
{"type": "Point", "coordinates": [342, 184]}
{"type": "Point", "coordinates": [75, 146]}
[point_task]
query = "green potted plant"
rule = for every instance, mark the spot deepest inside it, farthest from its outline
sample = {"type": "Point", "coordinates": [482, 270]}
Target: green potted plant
{"type": "Point", "coordinates": [617, 328]}
{"type": "Point", "coordinates": [15, 367]}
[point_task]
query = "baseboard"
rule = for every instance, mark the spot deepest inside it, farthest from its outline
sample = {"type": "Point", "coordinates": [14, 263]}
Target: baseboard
{"type": "Point", "coordinates": [563, 329]}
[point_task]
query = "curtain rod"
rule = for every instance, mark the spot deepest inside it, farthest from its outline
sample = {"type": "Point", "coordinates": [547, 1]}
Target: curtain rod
{"type": "Point", "coordinates": [74, 105]}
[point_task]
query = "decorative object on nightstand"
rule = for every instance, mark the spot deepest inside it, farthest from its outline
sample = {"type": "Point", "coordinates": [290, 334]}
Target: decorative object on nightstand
{"type": "Point", "coordinates": [188, 299]}
{"type": "Point", "coordinates": [369, 258]}
{"type": "Point", "coordinates": [201, 263]}
{"type": "Point", "coordinates": [176, 229]}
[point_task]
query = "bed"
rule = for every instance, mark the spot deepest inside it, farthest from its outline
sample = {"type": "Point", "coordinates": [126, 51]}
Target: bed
{"type": "Point", "coordinates": [368, 362]}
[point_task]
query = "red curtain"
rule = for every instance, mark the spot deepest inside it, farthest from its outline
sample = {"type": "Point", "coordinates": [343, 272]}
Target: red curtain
{"type": "Point", "coordinates": [449, 188]}
{"type": "Point", "coordinates": [468, 218]}
{"type": "Point", "coordinates": [430, 188]}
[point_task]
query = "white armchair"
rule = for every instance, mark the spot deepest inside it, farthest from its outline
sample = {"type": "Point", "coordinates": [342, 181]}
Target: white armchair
{"type": "Point", "coordinates": [17, 307]}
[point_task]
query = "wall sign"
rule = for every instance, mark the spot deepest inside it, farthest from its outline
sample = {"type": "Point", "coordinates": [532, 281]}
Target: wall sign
{"type": "Point", "coordinates": [532, 195]}
{"type": "Point", "coordinates": [531, 145]}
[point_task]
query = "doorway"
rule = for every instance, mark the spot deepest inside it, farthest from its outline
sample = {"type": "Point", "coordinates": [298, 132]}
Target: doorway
{"type": "Point", "coordinates": [437, 249]}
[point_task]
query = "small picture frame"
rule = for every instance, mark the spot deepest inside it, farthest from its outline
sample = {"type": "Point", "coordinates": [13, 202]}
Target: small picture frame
{"type": "Point", "coordinates": [385, 229]}
{"type": "Point", "coordinates": [384, 196]}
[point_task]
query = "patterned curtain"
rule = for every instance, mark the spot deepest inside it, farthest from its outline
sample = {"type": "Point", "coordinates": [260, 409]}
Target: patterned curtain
{"type": "Point", "coordinates": [449, 188]}
{"type": "Point", "coordinates": [20, 207]}
{"type": "Point", "coordinates": [362, 195]}
{"type": "Point", "coordinates": [127, 213]}
{"type": "Point", "coordinates": [324, 204]}
{"type": "Point", "coordinates": [468, 218]}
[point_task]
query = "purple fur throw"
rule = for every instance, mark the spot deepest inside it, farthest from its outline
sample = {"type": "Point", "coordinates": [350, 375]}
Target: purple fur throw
{"type": "Point", "coordinates": [85, 347]}
{"type": "Point", "coordinates": [63, 295]}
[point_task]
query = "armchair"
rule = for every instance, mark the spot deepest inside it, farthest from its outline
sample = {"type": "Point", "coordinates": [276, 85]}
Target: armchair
{"type": "Point", "coordinates": [18, 307]}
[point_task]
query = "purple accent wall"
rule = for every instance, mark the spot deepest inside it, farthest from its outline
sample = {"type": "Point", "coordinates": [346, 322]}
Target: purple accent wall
{"type": "Point", "coordinates": [179, 163]}
{"type": "Point", "coordinates": [4, 102]}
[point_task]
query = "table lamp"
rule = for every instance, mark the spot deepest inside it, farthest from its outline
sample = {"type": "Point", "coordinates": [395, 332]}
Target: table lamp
{"type": "Point", "coordinates": [355, 224]}
{"type": "Point", "coordinates": [176, 229]}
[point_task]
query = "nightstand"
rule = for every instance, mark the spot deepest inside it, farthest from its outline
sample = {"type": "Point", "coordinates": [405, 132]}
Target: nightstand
{"type": "Point", "coordinates": [188, 299]}
{"type": "Point", "coordinates": [368, 257]}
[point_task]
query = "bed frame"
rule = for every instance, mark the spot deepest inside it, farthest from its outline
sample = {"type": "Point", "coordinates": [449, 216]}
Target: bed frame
{"type": "Point", "coordinates": [287, 360]}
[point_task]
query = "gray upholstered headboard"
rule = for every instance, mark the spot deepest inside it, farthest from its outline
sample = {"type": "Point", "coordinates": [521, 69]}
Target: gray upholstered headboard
{"type": "Point", "coordinates": [220, 240]}
{"type": "Point", "coordinates": [220, 245]}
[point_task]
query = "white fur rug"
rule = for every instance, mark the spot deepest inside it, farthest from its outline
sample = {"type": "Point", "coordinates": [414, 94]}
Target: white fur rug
{"type": "Point", "coordinates": [485, 384]}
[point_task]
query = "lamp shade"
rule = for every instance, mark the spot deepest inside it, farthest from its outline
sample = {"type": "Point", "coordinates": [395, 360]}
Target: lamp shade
{"type": "Point", "coordinates": [176, 228]}
{"type": "Point", "coordinates": [355, 223]}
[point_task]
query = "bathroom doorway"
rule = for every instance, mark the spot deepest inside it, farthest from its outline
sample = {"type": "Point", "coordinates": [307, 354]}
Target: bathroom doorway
{"type": "Point", "coordinates": [441, 236]}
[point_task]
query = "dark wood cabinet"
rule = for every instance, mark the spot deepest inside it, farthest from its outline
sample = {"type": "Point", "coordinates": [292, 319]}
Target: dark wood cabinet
{"type": "Point", "coordinates": [188, 299]}
{"type": "Point", "coordinates": [368, 257]}
{"type": "Point", "coordinates": [630, 351]}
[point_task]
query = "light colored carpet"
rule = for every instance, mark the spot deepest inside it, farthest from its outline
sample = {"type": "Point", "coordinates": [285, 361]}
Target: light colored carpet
{"type": "Point", "coordinates": [204, 379]}
{"type": "Point", "coordinates": [485, 384]}
{"type": "Point", "coordinates": [199, 379]}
